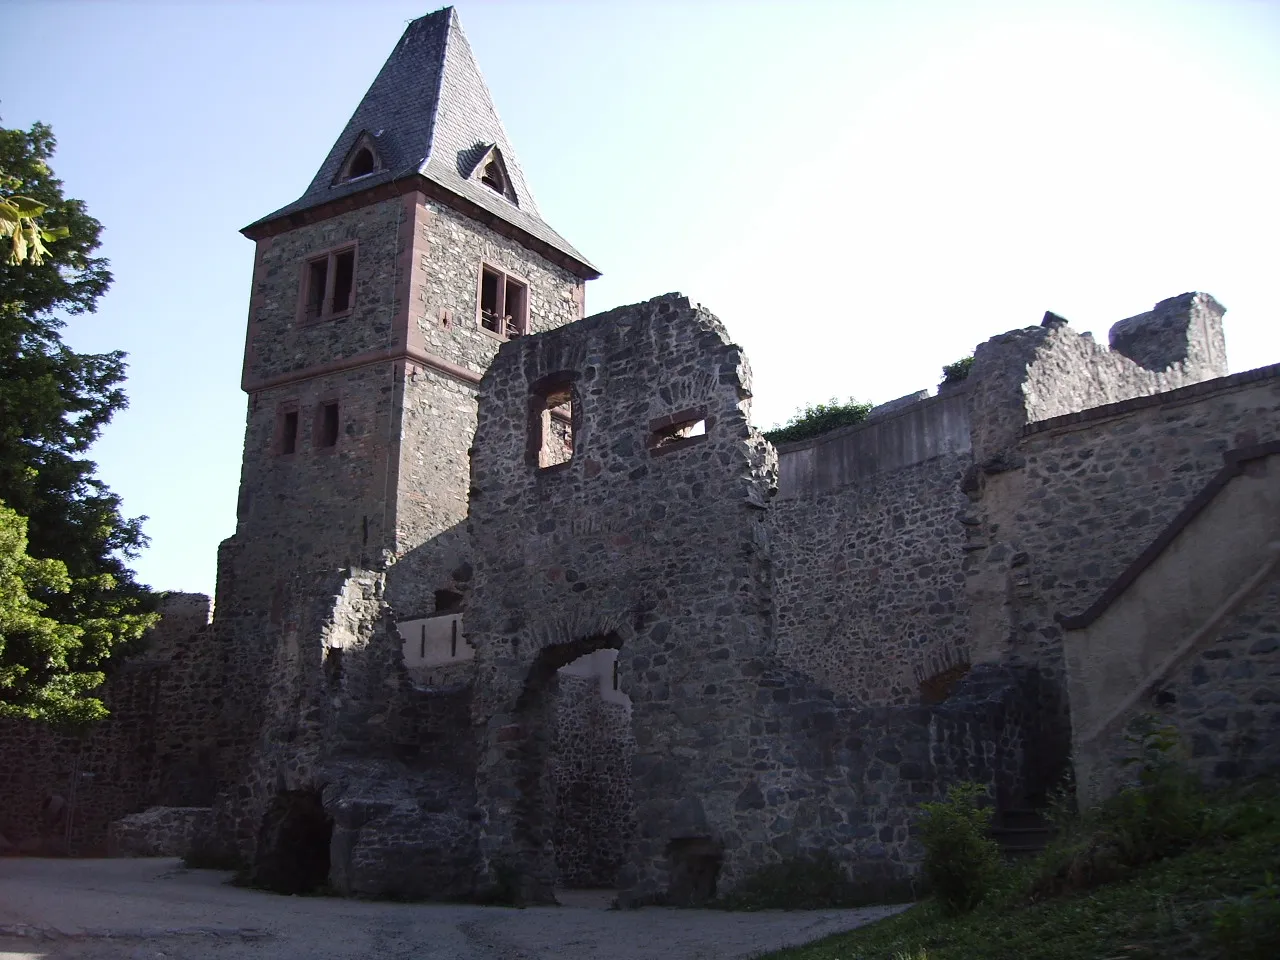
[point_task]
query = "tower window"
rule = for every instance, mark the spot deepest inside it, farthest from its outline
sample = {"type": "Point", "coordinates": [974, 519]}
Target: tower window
{"type": "Point", "coordinates": [327, 425]}
{"type": "Point", "coordinates": [503, 309]}
{"type": "Point", "coordinates": [328, 285]}
{"type": "Point", "coordinates": [289, 431]}
{"type": "Point", "coordinates": [361, 161]}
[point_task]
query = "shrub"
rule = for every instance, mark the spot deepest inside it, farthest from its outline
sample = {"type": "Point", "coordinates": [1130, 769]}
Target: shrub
{"type": "Point", "coordinates": [1160, 815]}
{"type": "Point", "coordinates": [955, 372]}
{"type": "Point", "coordinates": [1248, 927]}
{"type": "Point", "coordinates": [961, 863]}
{"type": "Point", "coordinates": [818, 418]}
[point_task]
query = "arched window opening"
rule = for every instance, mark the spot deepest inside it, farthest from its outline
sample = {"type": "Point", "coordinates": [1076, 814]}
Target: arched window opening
{"type": "Point", "coordinates": [362, 164]}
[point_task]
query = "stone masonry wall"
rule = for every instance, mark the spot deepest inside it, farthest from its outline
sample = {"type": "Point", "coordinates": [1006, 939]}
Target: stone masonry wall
{"type": "Point", "coordinates": [59, 792]}
{"type": "Point", "coordinates": [868, 583]}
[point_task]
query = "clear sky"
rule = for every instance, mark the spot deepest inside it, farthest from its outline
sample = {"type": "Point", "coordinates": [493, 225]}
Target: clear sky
{"type": "Point", "coordinates": [862, 191]}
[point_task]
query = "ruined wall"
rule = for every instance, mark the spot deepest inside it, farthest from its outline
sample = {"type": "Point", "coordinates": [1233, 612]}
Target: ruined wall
{"type": "Point", "coordinates": [658, 551]}
{"type": "Point", "coordinates": [59, 791]}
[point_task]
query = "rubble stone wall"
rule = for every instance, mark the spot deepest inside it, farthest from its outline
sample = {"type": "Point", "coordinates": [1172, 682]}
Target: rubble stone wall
{"type": "Point", "coordinates": [869, 587]}
{"type": "Point", "coordinates": [60, 791]}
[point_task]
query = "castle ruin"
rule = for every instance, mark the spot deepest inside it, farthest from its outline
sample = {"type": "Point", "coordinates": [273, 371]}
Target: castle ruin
{"type": "Point", "coordinates": [519, 598]}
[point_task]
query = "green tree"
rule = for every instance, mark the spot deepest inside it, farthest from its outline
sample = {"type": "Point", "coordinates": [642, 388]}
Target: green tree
{"type": "Point", "coordinates": [36, 652]}
{"type": "Point", "coordinates": [54, 403]}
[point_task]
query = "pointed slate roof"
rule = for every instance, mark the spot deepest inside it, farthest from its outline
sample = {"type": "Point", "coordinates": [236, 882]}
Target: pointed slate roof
{"type": "Point", "coordinates": [429, 112]}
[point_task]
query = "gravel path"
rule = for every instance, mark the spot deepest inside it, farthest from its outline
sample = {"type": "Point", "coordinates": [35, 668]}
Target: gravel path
{"type": "Point", "coordinates": [157, 909]}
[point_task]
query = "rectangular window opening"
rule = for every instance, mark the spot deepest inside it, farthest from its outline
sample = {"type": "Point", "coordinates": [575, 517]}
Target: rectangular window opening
{"type": "Point", "coordinates": [504, 304]}
{"type": "Point", "coordinates": [344, 274]}
{"type": "Point", "coordinates": [491, 301]}
{"type": "Point", "coordinates": [289, 432]}
{"type": "Point", "coordinates": [327, 428]}
{"type": "Point", "coordinates": [317, 281]}
{"type": "Point", "coordinates": [556, 422]}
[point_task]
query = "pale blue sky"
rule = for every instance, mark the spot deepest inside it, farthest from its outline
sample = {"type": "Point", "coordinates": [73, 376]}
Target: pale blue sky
{"type": "Point", "coordinates": [862, 191]}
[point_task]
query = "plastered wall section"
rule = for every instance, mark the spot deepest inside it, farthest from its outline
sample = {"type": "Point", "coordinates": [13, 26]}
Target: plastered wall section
{"type": "Point", "coordinates": [1199, 654]}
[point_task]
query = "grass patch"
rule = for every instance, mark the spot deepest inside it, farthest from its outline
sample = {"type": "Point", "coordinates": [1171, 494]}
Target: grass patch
{"type": "Point", "coordinates": [814, 882]}
{"type": "Point", "coordinates": [1217, 898]}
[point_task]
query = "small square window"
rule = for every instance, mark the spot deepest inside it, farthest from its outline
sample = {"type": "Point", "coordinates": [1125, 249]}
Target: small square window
{"type": "Point", "coordinates": [504, 304]}
{"type": "Point", "coordinates": [329, 285]}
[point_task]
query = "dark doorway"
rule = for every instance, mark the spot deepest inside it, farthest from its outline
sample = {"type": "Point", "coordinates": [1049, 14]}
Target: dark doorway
{"type": "Point", "coordinates": [293, 844]}
{"type": "Point", "coordinates": [694, 865]}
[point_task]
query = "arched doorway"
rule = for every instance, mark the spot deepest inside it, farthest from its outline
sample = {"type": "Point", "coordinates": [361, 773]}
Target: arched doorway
{"type": "Point", "coordinates": [568, 747]}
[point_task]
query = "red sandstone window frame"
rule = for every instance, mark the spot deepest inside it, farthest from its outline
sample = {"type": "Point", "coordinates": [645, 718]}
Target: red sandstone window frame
{"type": "Point", "coordinates": [498, 323]}
{"type": "Point", "coordinates": [306, 314]}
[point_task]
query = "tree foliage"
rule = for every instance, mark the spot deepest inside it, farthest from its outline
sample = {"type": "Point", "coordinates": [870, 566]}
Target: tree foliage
{"type": "Point", "coordinates": [819, 418]}
{"type": "Point", "coordinates": [54, 403]}
{"type": "Point", "coordinates": [36, 652]}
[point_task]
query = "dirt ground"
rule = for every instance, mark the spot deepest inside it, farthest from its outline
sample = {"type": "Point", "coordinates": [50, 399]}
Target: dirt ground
{"type": "Point", "coordinates": [157, 910]}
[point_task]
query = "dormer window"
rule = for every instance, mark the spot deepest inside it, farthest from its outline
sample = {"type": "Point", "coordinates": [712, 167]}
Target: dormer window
{"type": "Point", "coordinates": [361, 161]}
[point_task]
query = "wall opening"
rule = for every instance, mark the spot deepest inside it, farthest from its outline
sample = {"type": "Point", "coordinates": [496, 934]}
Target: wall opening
{"type": "Point", "coordinates": [693, 865]}
{"type": "Point", "coordinates": [327, 425]}
{"type": "Point", "coordinates": [344, 275]}
{"type": "Point", "coordinates": [678, 430]}
{"type": "Point", "coordinates": [292, 854]}
{"type": "Point", "coordinates": [289, 432]}
{"type": "Point", "coordinates": [551, 426]}
{"type": "Point", "coordinates": [573, 770]}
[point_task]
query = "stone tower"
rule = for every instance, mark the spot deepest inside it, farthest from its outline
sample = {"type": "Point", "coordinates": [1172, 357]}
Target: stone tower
{"type": "Point", "coordinates": [379, 298]}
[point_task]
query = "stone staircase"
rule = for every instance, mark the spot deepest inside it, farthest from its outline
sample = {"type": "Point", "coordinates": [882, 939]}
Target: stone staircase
{"type": "Point", "coordinates": [1022, 832]}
